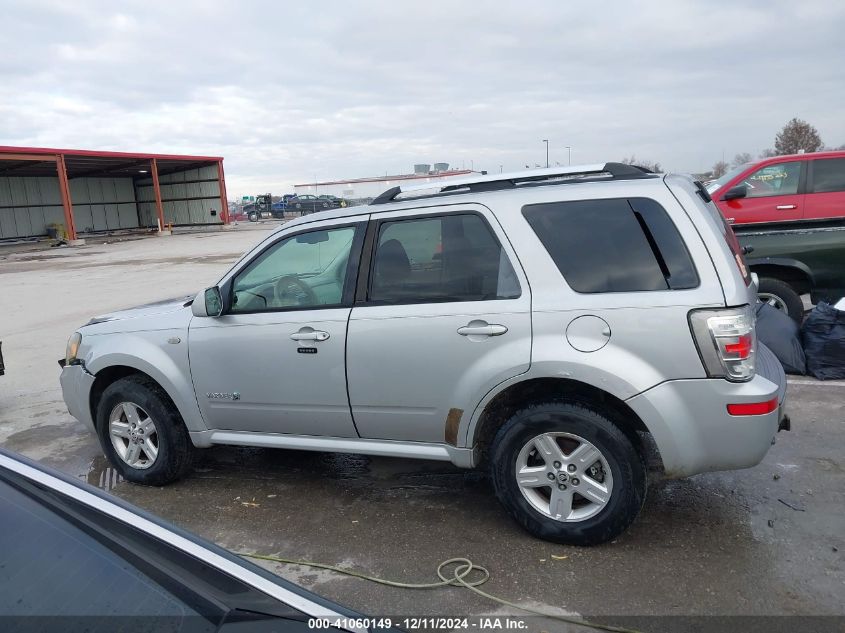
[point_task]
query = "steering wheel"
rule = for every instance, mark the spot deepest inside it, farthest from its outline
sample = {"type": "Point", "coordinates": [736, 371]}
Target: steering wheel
{"type": "Point", "coordinates": [292, 291]}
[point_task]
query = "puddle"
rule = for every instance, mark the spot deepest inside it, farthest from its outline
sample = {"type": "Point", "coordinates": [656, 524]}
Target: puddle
{"type": "Point", "coordinates": [102, 474]}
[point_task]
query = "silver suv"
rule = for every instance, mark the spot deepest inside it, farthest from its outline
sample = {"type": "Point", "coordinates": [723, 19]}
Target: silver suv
{"type": "Point", "coordinates": [540, 324]}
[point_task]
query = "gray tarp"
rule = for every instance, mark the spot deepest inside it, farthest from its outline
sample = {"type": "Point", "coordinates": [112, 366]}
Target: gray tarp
{"type": "Point", "coordinates": [777, 331]}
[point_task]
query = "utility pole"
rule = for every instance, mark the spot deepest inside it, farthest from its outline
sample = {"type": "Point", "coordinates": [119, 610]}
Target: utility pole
{"type": "Point", "coordinates": [569, 150]}
{"type": "Point", "coordinates": [546, 141]}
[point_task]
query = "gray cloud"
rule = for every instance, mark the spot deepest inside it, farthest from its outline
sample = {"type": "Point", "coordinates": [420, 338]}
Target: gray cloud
{"type": "Point", "coordinates": [287, 92]}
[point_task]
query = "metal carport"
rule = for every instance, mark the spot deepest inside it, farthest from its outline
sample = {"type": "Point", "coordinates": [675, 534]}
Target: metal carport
{"type": "Point", "coordinates": [90, 191]}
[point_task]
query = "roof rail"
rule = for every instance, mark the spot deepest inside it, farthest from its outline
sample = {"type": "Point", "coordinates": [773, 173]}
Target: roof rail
{"type": "Point", "coordinates": [498, 182]}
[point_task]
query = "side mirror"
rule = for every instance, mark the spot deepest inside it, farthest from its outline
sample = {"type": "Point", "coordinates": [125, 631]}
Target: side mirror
{"type": "Point", "coordinates": [737, 191]}
{"type": "Point", "coordinates": [208, 303]}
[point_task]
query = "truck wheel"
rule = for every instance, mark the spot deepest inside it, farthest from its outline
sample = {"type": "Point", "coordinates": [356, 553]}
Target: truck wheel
{"type": "Point", "coordinates": [782, 296]}
{"type": "Point", "coordinates": [142, 433]}
{"type": "Point", "coordinates": [567, 474]}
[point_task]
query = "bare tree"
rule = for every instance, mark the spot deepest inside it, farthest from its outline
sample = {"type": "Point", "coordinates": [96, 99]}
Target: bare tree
{"type": "Point", "coordinates": [720, 169]}
{"type": "Point", "coordinates": [768, 153]}
{"type": "Point", "coordinates": [797, 135]}
{"type": "Point", "coordinates": [741, 159]}
{"type": "Point", "coordinates": [651, 166]}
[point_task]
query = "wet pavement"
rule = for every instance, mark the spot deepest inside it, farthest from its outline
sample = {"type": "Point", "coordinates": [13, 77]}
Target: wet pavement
{"type": "Point", "coordinates": [764, 541]}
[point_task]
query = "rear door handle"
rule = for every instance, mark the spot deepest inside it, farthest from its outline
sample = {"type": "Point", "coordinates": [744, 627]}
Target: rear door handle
{"type": "Point", "coordinates": [784, 207]}
{"type": "Point", "coordinates": [482, 329]}
{"type": "Point", "coordinates": [307, 334]}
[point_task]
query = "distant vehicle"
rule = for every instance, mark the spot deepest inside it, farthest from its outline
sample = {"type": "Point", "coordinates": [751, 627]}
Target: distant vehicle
{"type": "Point", "coordinates": [336, 202]}
{"type": "Point", "coordinates": [305, 204]}
{"type": "Point", "coordinates": [796, 187]}
{"type": "Point", "coordinates": [791, 211]}
{"type": "Point", "coordinates": [149, 575]}
{"type": "Point", "coordinates": [260, 209]}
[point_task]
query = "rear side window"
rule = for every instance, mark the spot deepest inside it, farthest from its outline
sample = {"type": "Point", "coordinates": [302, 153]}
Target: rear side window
{"type": "Point", "coordinates": [616, 245]}
{"type": "Point", "coordinates": [440, 258]}
{"type": "Point", "coordinates": [829, 175]}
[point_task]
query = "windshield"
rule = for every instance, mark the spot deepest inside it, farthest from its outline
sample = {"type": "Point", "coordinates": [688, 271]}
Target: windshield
{"type": "Point", "coordinates": [720, 182]}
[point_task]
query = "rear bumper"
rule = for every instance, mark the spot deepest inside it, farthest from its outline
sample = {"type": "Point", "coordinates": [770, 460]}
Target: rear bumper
{"type": "Point", "coordinates": [693, 431]}
{"type": "Point", "coordinates": [76, 390]}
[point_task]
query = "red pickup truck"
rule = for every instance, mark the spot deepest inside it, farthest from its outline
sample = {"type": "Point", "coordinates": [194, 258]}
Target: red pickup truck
{"type": "Point", "coordinates": [783, 189]}
{"type": "Point", "coordinates": [789, 214]}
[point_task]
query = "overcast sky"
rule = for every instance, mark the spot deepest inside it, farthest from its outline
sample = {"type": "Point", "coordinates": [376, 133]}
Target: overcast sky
{"type": "Point", "coordinates": [288, 92]}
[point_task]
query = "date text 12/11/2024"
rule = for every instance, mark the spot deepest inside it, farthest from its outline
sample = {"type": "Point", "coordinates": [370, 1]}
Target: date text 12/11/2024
{"type": "Point", "coordinates": [423, 623]}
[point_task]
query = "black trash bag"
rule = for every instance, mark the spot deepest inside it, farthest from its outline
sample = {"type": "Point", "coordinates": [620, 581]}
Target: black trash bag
{"type": "Point", "coordinates": [777, 331]}
{"type": "Point", "coordinates": [824, 342]}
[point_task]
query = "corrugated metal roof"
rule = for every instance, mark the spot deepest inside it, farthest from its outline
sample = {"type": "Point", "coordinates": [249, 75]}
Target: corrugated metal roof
{"type": "Point", "coordinates": [18, 161]}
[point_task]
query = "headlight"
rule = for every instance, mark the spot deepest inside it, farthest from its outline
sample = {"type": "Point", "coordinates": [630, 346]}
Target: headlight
{"type": "Point", "coordinates": [72, 348]}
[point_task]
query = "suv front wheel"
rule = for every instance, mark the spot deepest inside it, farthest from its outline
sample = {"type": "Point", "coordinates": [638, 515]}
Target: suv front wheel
{"type": "Point", "coordinates": [567, 474]}
{"type": "Point", "coordinates": [142, 433]}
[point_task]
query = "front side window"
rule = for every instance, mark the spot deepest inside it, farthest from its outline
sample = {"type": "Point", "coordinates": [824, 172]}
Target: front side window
{"type": "Point", "coordinates": [829, 175]}
{"type": "Point", "coordinates": [444, 258]}
{"type": "Point", "coordinates": [303, 271]}
{"type": "Point", "coordinates": [773, 180]}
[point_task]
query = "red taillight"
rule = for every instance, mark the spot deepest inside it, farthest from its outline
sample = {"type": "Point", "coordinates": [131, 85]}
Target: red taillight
{"type": "Point", "coordinates": [753, 408]}
{"type": "Point", "coordinates": [742, 348]}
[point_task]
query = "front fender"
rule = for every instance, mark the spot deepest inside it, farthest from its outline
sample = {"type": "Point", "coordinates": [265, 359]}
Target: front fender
{"type": "Point", "coordinates": [156, 354]}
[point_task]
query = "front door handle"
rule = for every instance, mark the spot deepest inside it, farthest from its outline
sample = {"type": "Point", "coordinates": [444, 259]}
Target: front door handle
{"type": "Point", "coordinates": [785, 207]}
{"type": "Point", "coordinates": [482, 328]}
{"type": "Point", "coordinates": [308, 334]}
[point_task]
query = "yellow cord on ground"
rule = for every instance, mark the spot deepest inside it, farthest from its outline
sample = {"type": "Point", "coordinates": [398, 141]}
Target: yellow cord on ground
{"type": "Point", "coordinates": [463, 568]}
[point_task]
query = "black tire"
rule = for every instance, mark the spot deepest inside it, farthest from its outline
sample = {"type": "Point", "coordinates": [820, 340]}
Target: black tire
{"type": "Point", "coordinates": [786, 294]}
{"type": "Point", "coordinates": [175, 449]}
{"type": "Point", "coordinates": [626, 465]}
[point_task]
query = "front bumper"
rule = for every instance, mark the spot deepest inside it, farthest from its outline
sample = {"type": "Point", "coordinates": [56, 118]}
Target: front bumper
{"type": "Point", "coordinates": [694, 433]}
{"type": "Point", "coordinates": [76, 390]}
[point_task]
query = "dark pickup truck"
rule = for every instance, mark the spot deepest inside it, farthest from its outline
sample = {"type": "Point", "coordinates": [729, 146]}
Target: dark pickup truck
{"type": "Point", "coordinates": [795, 258]}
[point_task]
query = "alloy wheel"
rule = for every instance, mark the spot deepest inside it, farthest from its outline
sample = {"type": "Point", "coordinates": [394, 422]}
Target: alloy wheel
{"type": "Point", "coordinates": [133, 435]}
{"type": "Point", "coordinates": [563, 476]}
{"type": "Point", "coordinates": [774, 301]}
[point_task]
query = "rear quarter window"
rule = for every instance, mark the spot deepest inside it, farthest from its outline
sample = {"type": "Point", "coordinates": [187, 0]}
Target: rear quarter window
{"type": "Point", "coordinates": [828, 175]}
{"type": "Point", "coordinates": [614, 245]}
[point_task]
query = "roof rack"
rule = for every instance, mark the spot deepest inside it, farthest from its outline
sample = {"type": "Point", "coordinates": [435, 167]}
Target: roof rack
{"type": "Point", "coordinates": [498, 182]}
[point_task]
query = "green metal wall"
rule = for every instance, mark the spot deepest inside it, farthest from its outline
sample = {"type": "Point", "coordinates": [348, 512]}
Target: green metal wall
{"type": "Point", "coordinates": [187, 197]}
{"type": "Point", "coordinates": [29, 204]}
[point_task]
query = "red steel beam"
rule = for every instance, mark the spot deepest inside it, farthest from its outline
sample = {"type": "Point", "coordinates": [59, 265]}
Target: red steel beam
{"type": "Point", "coordinates": [8, 150]}
{"type": "Point", "coordinates": [33, 157]}
{"type": "Point", "coordinates": [224, 209]}
{"type": "Point", "coordinates": [64, 191]}
{"type": "Point", "coordinates": [157, 192]}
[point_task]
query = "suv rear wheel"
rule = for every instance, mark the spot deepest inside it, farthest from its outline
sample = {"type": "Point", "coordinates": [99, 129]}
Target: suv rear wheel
{"type": "Point", "coordinates": [567, 474]}
{"type": "Point", "coordinates": [141, 432]}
